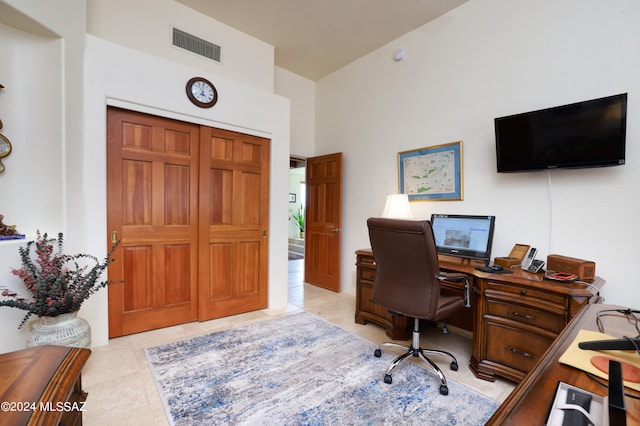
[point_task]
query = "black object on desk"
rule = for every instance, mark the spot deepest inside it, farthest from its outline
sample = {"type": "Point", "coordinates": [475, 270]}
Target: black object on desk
{"type": "Point", "coordinates": [611, 345]}
{"type": "Point", "coordinates": [495, 269]}
{"type": "Point", "coordinates": [575, 417]}
{"type": "Point", "coordinates": [617, 411]}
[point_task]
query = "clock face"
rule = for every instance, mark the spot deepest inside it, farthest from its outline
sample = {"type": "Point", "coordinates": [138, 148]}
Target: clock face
{"type": "Point", "coordinates": [202, 92]}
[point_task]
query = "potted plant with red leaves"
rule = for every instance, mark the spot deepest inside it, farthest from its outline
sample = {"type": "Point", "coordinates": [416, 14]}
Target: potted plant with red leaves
{"type": "Point", "coordinates": [57, 284]}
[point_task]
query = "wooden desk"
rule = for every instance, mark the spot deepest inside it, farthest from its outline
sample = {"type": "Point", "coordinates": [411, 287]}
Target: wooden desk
{"type": "Point", "coordinates": [41, 386]}
{"type": "Point", "coordinates": [514, 317]}
{"type": "Point", "coordinates": [529, 402]}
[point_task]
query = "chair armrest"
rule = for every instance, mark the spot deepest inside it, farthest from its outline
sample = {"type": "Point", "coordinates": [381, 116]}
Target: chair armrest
{"type": "Point", "coordinates": [458, 277]}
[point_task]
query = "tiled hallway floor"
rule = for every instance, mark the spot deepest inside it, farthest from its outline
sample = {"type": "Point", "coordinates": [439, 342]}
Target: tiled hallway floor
{"type": "Point", "coordinates": [121, 388]}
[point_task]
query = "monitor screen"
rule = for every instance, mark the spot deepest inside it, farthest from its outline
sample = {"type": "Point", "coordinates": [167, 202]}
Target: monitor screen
{"type": "Point", "coordinates": [467, 236]}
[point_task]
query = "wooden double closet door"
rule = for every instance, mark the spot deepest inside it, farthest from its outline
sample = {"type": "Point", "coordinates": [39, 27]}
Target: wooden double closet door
{"type": "Point", "coordinates": [189, 205]}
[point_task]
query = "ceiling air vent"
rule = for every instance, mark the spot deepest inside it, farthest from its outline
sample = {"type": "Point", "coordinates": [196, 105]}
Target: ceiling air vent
{"type": "Point", "coordinates": [196, 45]}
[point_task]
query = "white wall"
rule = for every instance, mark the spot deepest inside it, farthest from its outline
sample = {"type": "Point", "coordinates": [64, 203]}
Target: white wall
{"type": "Point", "coordinates": [147, 26]}
{"type": "Point", "coordinates": [41, 110]}
{"type": "Point", "coordinates": [56, 177]}
{"type": "Point", "coordinates": [302, 93]}
{"type": "Point", "coordinates": [486, 59]}
{"type": "Point", "coordinates": [34, 125]}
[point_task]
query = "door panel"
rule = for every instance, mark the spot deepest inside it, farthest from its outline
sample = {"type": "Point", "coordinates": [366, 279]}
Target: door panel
{"type": "Point", "coordinates": [152, 195]}
{"type": "Point", "coordinates": [176, 263]}
{"type": "Point", "coordinates": [137, 263]}
{"type": "Point", "coordinates": [234, 212]}
{"type": "Point", "coordinates": [323, 221]}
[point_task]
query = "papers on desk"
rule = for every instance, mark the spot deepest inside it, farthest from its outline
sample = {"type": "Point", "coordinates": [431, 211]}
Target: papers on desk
{"type": "Point", "coordinates": [581, 359]}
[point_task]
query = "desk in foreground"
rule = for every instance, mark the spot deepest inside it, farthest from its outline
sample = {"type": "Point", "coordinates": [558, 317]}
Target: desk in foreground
{"type": "Point", "coordinates": [41, 386]}
{"type": "Point", "coordinates": [529, 402]}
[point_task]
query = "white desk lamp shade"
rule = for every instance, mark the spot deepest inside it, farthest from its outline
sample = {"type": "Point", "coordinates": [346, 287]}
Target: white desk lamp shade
{"type": "Point", "coordinates": [397, 207]}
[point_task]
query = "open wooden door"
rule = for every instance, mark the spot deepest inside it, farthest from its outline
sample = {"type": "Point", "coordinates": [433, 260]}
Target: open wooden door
{"type": "Point", "coordinates": [323, 221]}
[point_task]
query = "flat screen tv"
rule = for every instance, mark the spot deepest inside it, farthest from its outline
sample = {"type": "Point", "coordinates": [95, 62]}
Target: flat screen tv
{"type": "Point", "coordinates": [579, 135]}
{"type": "Point", "coordinates": [466, 236]}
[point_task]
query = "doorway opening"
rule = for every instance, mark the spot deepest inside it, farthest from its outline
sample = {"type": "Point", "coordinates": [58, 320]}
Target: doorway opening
{"type": "Point", "coordinates": [297, 207]}
{"type": "Point", "coordinates": [322, 212]}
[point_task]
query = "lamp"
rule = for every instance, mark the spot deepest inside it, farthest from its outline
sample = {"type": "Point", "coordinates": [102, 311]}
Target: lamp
{"type": "Point", "coordinates": [397, 207]}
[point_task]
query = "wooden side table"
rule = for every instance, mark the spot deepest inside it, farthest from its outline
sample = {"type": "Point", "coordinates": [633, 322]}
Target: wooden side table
{"type": "Point", "coordinates": [42, 386]}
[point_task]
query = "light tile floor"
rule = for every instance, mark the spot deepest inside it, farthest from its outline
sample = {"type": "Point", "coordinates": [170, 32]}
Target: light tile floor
{"type": "Point", "coordinates": [122, 391]}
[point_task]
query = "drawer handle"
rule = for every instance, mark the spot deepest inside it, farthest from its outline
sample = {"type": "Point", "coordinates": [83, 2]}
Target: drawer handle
{"type": "Point", "coordinates": [525, 316]}
{"type": "Point", "coordinates": [519, 352]}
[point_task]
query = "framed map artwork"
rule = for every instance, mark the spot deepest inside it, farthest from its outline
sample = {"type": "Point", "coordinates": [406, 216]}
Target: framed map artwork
{"type": "Point", "coordinates": [431, 173]}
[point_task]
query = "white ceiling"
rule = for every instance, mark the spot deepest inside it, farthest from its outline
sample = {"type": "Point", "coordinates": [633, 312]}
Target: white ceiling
{"type": "Point", "coordinates": [313, 38]}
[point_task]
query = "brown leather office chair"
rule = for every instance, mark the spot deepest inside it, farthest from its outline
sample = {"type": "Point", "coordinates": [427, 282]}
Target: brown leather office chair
{"type": "Point", "coordinates": [407, 282]}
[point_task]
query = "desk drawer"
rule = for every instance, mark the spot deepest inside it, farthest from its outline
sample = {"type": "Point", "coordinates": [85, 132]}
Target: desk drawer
{"type": "Point", "coordinates": [367, 274]}
{"type": "Point", "coordinates": [365, 260]}
{"type": "Point", "coordinates": [526, 315]}
{"type": "Point", "coordinates": [494, 288]}
{"type": "Point", "coordinates": [515, 348]}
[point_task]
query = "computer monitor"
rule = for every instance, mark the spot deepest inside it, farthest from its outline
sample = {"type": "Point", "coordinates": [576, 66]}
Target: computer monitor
{"type": "Point", "coordinates": [468, 236]}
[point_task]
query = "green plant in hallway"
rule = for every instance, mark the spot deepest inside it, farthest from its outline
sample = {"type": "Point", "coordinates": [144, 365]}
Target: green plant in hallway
{"type": "Point", "coordinates": [298, 217]}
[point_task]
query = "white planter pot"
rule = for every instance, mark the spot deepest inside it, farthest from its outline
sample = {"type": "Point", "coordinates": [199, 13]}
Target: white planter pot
{"type": "Point", "coordinates": [61, 330]}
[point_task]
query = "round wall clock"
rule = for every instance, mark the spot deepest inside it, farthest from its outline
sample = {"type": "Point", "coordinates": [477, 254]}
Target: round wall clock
{"type": "Point", "coordinates": [202, 92]}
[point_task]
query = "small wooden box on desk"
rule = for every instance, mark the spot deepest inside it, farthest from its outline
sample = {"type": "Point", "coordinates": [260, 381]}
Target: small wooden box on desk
{"type": "Point", "coordinates": [42, 386]}
{"type": "Point", "coordinates": [514, 317]}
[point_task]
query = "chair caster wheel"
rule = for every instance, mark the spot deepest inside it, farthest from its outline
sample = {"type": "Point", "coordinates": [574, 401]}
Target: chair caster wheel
{"type": "Point", "coordinates": [444, 390]}
{"type": "Point", "coordinates": [377, 353]}
{"type": "Point", "coordinates": [454, 365]}
{"type": "Point", "coordinates": [388, 379]}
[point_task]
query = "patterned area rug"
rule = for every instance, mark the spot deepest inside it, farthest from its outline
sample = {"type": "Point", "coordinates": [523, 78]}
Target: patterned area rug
{"type": "Point", "coordinates": [301, 370]}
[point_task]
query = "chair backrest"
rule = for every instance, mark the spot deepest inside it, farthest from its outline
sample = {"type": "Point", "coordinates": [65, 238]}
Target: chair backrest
{"type": "Point", "coordinates": [406, 280]}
